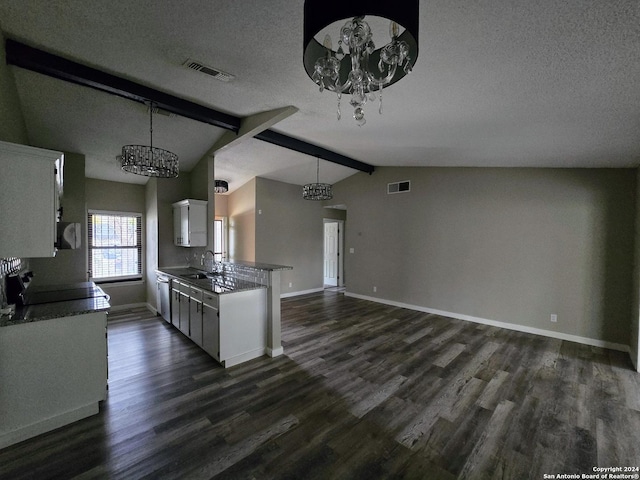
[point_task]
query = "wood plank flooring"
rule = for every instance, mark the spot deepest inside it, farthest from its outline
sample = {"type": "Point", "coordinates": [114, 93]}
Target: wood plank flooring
{"type": "Point", "coordinates": [363, 391]}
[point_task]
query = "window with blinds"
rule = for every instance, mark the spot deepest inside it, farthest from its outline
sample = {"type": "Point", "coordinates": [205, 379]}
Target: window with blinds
{"type": "Point", "coordinates": [115, 246]}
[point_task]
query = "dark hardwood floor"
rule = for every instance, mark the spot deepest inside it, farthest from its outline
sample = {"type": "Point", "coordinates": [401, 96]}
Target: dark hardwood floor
{"type": "Point", "coordinates": [363, 391]}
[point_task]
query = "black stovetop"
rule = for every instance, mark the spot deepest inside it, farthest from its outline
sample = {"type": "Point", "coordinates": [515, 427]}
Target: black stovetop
{"type": "Point", "coordinates": [61, 293]}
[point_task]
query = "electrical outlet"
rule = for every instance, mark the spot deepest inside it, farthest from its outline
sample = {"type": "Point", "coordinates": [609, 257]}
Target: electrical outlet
{"type": "Point", "coordinates": [553, 318]}
{"type": "Point", "coordinates": [352, 250]}
{"type": "Point", "coordinates": [375, 289]}
{"type": "Point", "coordinates": [290, 284]}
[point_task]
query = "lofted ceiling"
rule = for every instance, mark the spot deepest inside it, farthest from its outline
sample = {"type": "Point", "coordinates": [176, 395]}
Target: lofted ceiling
{"type": "Point", "coordinates": [505, 83]}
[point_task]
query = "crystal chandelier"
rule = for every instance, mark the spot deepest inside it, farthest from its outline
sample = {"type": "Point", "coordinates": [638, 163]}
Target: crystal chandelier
{"type": "Point", "coordinates": [149, 160]}
{"type": "Point", "coordinates": [317, 191]}
{"type": "Point", "coordinates": [357, 67]}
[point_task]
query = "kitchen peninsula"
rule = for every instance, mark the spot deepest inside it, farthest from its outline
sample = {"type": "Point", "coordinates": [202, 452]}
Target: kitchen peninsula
{"type": "Point", "coordinates": [233, 314]}
{"type": "Point", "coordinates": [53, 360]}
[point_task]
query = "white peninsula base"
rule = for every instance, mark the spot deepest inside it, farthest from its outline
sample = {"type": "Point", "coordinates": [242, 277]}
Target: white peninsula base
{"type": "Point", "coordinates": [52, 373]}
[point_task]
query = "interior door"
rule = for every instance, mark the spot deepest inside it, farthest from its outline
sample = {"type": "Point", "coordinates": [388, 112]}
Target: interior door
{"type": "Point", "coordinates": [331, 253]}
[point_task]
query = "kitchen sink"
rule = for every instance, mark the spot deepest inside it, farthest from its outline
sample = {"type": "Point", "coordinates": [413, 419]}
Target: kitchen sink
{"type": "Point", "coordinates": [201, 275]}
{"type": "Point", "coordinates": [196, 276]}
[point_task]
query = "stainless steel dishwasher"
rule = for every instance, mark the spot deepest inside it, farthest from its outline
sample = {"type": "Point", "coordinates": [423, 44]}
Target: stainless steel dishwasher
{"type": "Point", "coordinates": [163, 295]}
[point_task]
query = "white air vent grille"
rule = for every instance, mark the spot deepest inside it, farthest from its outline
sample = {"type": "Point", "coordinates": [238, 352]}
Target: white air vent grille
{"type": "Point", "coordinates": [399, 187]}
{"type": "Point", "coordinates": [213, 72]}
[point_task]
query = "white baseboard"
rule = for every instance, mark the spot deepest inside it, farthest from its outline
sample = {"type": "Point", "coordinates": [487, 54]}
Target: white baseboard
{"type": "Point", "coordinates": [635, 358]}
{"type": "Point", "coordinates": [46, 425]}
{"type": "Point", "coordinates": [151, 308]}
{"type": "Point", "coordinates": [116, 308]}
{"type": "Point", "coordinates": [275, 352]}
{"type": "Point", "coordinates": [494, 323]}
{"type": "Point", "coordinates": [302, 292]}
{"type": "Point", "coordinates": [243, 357]}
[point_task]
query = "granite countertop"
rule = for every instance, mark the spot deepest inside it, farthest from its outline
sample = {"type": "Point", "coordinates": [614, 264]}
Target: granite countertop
{"type": "Point", "coordinates": [217, 283]}
{"type": "Point", "coordinates": [55, 309]}
{"type": "Point", "coordinates": [260, 266]}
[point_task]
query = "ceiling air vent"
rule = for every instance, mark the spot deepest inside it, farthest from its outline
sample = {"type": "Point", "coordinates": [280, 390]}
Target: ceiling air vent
{"type": "Point", "coordinates": [399, 187]}
{"type": "Point", "coordinates": [213, 72]}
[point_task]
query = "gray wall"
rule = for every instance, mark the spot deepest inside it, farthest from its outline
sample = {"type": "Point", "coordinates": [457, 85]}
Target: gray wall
{"type": "Point", "coordinates": [242, 222]}
{"type": "Point", "coordinates": [151, 251]}
{"type": "Point", "coordinates": [511, 245]}
{"type": "Point", "coordinates": [222, 205]}
{"type": "Point", "coordinates": [171, 190]}
{"type": "Point", "coordinates": [12, 126]}
{"type": "Point", "coordinates": [120, 197]}
{"type": "Point", "coordinates": [68, 266]}
{"type": "Point", "coordinates": [12, 129]}
{"type": "Point", "coordinates": [114, 196]}
{"type": "Point", "coordinates": [161, 193]}
{"type": "Point", "coordinates": [289, 231]}
{"type": "Point", "coordinates": [199, 176]}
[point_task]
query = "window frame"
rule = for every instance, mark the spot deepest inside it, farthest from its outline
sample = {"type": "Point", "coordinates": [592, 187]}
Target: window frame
{"type": "Point", "coordinates": [222, 255]}
{"type": "Point", "coordinates": [140, 247]}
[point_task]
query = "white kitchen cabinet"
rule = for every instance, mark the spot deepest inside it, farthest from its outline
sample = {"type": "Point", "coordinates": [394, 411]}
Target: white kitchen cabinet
{"type": "Point", "coordinates": [184, 309]}
{"type": "Point", "coordinates": [163, 299]}
{"type": "Point", "coordinates": [180, 306]}
{"type": "Point", "coordinates": [210, 325]}
{"type": "Point", "coordinates": [234, 327]}
{"type": "Point", "coordinates": [195, 315]}
{"type": "Point", "coordinates": [243, 326]}
{"type": "Point", "coordinates": [53, 372]}
{"type": "Point", "coordinates": [30, 185]}
{"type": "Point", "coordinates": [231, 326]}
{"type": "Point", "coordinates": [175, 303]}
{"type": "Point", "coordinates": [190, 223]}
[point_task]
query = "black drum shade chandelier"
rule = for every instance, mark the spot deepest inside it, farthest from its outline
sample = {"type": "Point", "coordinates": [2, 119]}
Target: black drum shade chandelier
{"type": "Point", "coordinates": [357, 67]}
{"type": "Point", "coordinates": [221, 186]}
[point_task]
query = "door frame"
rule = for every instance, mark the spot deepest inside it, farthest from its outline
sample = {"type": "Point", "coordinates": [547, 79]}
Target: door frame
{"type": "Point", "coordinates": [340, 249]}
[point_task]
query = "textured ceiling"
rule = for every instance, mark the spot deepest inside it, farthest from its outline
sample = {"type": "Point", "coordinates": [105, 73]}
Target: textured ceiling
{"type": "Point", "coordinates": [497, 83]}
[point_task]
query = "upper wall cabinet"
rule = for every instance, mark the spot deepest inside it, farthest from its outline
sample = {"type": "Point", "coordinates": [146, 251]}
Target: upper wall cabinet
{"type": "Point", "coordinates": [190, 223]}
{"type": "Point", "coordinates": [30, 189]}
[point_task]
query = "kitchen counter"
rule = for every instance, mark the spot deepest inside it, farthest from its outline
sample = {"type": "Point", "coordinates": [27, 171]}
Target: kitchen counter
{"type": "Point", "coordinates": [217, 283]}
{"type": "Point", "coordinates": [223, 314]}
{"type": "Point", "coordinates": [260, 266]}
{"type": "Point", "coordinates": [52, 373]}
{"type": "Point", "coordinates": [241, 276]}
{"type": "Point", "coordinates": [55, 301]}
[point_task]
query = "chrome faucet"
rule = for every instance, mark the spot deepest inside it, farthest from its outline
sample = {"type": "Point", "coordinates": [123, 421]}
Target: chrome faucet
{"type": "Point", "coordinates": [213, 260]}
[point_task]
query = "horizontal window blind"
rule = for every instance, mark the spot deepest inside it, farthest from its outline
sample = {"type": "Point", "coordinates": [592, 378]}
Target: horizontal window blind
{"type": "Point", "coordinates": [115, 246]}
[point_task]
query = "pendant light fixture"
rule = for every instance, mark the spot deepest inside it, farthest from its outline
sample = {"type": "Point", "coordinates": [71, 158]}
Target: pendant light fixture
{"type": "Point", "coordinates": [221, 186]}
{"type": "Point", "coordinates": [149, 161]}
{"type": "Point", "coordinates": [317, 191]}
{"type": "Point", "coordinates": [357, 67]}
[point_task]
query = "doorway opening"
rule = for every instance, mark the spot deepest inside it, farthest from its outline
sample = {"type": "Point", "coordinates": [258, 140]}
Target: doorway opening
{"type": "Point", "coordinates": [333, 254]}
